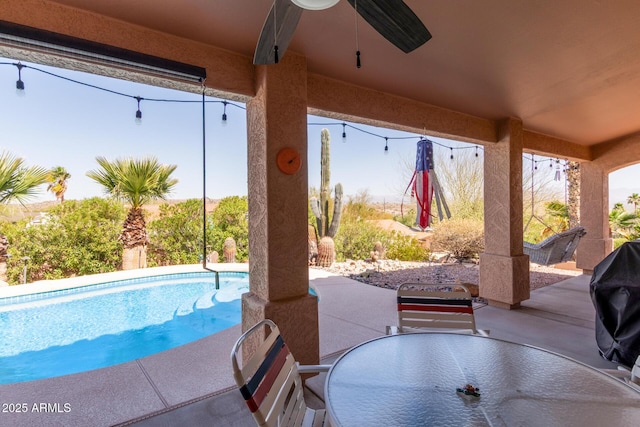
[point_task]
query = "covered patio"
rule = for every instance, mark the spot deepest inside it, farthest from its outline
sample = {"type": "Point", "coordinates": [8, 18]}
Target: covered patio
{"type": "Point", "coordinates": [554, 78]}
{"type": "Point", "coordinates": [193, 384]}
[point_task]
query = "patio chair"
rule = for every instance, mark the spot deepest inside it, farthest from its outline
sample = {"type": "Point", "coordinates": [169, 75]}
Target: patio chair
{"type": "Point", "coordinates": [556, 249]}
{"type": "Point", "coordinates": [271, 384]}
{"type": "Point", "coordinates": [441, 307]}
{"type": "Point", "coordinates": [631, 377]}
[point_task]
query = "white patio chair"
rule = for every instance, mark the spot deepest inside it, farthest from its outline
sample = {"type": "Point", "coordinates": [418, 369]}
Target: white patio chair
{"type": "Point", "coordinates": [442, 307]}
{"type": "Point", "coordinates": [270, 382]}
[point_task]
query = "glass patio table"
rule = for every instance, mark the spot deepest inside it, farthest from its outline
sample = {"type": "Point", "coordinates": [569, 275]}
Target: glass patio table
{"type": "Point", "coordinates": [413, 380]}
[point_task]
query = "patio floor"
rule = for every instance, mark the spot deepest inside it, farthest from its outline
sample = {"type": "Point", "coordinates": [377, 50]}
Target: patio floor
{"type": "Point", "coordinates": [193, 384]}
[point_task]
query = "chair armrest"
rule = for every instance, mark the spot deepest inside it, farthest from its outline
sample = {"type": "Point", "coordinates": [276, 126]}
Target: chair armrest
{"type": "Point", "coordinates": [312, 369]}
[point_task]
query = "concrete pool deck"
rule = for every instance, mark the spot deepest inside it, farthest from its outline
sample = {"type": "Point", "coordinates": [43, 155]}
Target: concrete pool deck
{"type": "Point", "coordinates": [193, 384]}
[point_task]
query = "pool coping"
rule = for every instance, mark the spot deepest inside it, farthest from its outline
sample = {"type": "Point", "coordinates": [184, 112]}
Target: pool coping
{"type": "Point", "coordinates": [42, 286]}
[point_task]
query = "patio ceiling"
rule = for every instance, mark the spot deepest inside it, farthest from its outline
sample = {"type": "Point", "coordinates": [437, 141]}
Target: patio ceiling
{"type": "Point", "coordinates": [569, 69]}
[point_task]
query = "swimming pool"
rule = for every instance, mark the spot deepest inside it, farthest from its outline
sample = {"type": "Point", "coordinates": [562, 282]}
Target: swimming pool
{"type": "Point", "coordinates": [70, 331]}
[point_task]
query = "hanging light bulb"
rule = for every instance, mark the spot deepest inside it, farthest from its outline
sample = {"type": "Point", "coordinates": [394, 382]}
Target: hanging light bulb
{"type": "Point", "coordinates": [344, 132]}
{"type": "Point", "coordinates": [386, 145]}
{"type": "Point", "coordinates": [476, 151]}
{"type": "Point", "coordinates": [20, 84]}
{"type": "Point", "coordinates": [224, 113]}
{"type": "Point", "coordinates": [451, 148]}
{"type": "Point", "coordinates": [138, 112]}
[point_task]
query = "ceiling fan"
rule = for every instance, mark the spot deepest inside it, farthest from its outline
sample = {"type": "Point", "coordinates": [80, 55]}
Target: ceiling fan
{"type": "Point", "coordinates": [393, 19]}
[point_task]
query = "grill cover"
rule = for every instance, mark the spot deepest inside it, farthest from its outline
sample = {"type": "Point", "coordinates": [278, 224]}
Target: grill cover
{"type": "Point", "coordinates": [615, 292]}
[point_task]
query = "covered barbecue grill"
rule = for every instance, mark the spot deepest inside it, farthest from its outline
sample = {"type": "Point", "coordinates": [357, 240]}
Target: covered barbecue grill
{"type": "Point", "coordinates": [615, 292]}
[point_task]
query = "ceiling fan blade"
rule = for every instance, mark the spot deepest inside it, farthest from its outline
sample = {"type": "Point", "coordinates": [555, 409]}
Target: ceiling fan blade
{"type": "Point", "coordinates": [277, 30]}
{"type": "Point", "coordinates": [395, 21]}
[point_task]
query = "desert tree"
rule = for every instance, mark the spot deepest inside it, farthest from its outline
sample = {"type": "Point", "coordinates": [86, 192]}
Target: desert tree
{"type": "Point", "coordinates": [135, 182]}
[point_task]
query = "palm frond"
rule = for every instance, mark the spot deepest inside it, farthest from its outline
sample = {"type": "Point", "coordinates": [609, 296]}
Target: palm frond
{"type": "Point", "coordinates": [17, 181]}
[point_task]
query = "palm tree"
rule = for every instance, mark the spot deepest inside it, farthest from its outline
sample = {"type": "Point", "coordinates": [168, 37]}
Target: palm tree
{"type": "Point", "coordinates": [559, 213]}
{"type": "Point", "coordinates": [634, 200]}
{"type": "Point", "coordinates": [136, 182]}
{"type": "Point", "coordinates": [622, 222]}
{"type": "Point", "coordinates": [17, 183]}
{"type": "Point", "coordinates": [57, 179]}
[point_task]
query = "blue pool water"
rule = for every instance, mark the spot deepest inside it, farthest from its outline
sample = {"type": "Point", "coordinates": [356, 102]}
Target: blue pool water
{"type": "Point", "coordinates": [77, 330]}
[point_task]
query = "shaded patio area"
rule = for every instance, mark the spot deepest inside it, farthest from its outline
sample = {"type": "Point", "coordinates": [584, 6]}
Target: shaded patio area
{"type": "Point", "coordinates": [193, 384]}
{"type": "Point", "coordinates": [559, 317]}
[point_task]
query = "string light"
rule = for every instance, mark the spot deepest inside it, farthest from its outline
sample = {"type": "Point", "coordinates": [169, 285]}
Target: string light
{"type": "Point", "coordinates": [224, 113]}
{"type": "Point", "coordinates": [138, 113]}
{"type": "Point", "coordinates": [388, 138]}
{"type": "Point", "coordinates": [20, 83]}
{"type": "Point", "coordinates": [20, 91]}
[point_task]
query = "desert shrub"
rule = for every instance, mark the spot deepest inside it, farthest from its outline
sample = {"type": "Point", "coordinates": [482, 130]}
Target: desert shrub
{"type": "Point", "coordinates": [176, 236]}
{"type": "Point", "coordinates": [355, 239]}
{"type": "Point", "coordinates": [462, 238]}
{"type": "Point", "coordinates": [619, 241]}
{"type": "Point", "coordinates": [408, 217]}
{"type": "Point", "coordinates": [231, 219]}
{"type": "Point", "coordinates": [75, 238]}
{"type": "Point", "coordinates": [406, 248]}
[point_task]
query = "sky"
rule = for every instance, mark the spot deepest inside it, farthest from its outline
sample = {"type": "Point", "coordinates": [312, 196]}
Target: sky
{"type": "Point", "coordinates": [60, 123]}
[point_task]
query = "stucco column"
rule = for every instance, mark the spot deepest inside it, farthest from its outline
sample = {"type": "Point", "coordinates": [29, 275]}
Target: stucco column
{"type": "Point", "coordinates": [594, 217]}
{"type": "Point", "coordinates": [278, 203]}
{"type": "Point", "coordinates": [504, 269]}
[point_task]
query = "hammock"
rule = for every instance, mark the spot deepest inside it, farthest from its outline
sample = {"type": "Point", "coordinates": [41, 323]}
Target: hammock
{"type": "Point", "coordinates": [556, 249]}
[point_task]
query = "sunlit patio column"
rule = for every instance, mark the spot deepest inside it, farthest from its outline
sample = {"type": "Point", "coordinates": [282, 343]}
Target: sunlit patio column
{"type": "Point", "coordinates": [594, 217]}
{"type": "Point", "coordinates": [504, 269]}
{"type": "Point", "coordinates": [278, 203]}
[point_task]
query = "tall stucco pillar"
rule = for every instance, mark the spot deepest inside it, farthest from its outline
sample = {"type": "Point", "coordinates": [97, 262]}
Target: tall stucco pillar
{"type": "Point", "coordinates": [594, 217]}
{"type": "Point", "coordinates": [278, 203]}
{"type": "Point", "coordinates": [504, 269]}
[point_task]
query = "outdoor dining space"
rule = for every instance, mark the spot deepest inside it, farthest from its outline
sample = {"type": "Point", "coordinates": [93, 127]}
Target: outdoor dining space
{"type": "Point", "coordinates": [539, 366]}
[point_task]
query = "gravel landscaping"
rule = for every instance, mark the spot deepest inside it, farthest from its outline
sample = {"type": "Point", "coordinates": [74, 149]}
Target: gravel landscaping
{"type": "Point", "coordinates": [390, 274]}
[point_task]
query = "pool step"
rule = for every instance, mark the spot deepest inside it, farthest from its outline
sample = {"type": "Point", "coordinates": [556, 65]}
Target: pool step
{"type": "Point", "coordinates": [231, 292]}
{"type": "Point", "coordinates": [205, 300]}
{"type": "Point", "coordinates": [185, 309]}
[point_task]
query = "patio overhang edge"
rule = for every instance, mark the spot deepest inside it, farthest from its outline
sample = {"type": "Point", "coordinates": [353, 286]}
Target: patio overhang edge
{"type": "Point", "coordinates": [540, 143]}
{"type": "Point", "coordinates": [343, 101]}
{"type": "Point", "coordinates": [617, 153]}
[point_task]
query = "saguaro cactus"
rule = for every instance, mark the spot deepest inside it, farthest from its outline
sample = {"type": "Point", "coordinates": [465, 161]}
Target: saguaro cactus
{"type": "Point", "coordinates": [320, 208]}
